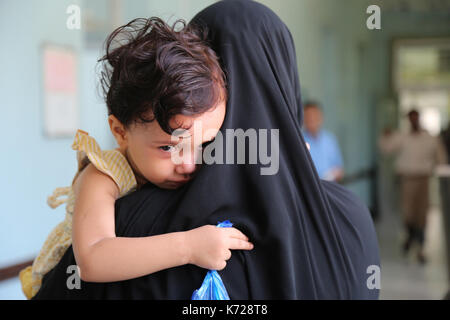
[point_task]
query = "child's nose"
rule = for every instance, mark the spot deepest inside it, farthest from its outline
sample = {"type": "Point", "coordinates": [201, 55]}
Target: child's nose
{"type": "Point", "coordinates": [187, 166]}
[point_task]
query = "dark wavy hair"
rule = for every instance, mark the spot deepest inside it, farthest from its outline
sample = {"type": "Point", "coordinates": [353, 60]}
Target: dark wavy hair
{"type": "Point", "coordinates": [155, 71]}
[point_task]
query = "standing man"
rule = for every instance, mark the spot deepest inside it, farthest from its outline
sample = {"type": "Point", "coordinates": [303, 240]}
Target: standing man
{"type": "Point", "coordinates": [417, 153]}
{"type": "Point", "coordinates": [323, 145]}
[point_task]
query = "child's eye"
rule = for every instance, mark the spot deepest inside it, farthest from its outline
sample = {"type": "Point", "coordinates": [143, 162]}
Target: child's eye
{"type": "Point", "coordinates": [167, 148]}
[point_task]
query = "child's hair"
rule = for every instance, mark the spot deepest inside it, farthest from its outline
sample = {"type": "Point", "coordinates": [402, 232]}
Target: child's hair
{"type": "Point", "coordinates": [156, 71]}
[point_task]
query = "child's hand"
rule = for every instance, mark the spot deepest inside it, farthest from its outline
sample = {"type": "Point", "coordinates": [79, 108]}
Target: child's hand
{"type": "Point", "coordinates": [209, 246]}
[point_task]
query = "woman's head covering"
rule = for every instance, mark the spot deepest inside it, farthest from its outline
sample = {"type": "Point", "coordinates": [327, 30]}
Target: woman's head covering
{"type": "Point", "coordinates": [313, 239]}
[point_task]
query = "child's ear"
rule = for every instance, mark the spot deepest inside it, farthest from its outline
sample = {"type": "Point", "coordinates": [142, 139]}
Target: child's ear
{"type": "Point", "coordinates": [118, 130]}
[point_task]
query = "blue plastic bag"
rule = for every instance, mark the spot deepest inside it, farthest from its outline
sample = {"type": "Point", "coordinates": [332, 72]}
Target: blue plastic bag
{"type": "Point", "coordinates": [212, 287]}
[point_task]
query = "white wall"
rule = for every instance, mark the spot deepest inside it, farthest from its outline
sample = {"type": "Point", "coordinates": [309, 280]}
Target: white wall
{"type": "Point", "coordinates": [32, 165]}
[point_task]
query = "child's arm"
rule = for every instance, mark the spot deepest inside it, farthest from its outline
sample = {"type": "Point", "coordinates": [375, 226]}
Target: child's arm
{"type": "Point", "coordinates": [103, 257]}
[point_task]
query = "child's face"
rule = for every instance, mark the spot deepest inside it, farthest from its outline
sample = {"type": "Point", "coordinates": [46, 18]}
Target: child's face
{"type": "Point", "coordinates": [149, 148]}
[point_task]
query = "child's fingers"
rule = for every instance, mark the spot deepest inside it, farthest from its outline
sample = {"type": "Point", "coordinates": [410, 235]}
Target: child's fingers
{"type": "Point", "coordinates": [235, 233]}
{"type": "Point", "coordinates": [238, 244]}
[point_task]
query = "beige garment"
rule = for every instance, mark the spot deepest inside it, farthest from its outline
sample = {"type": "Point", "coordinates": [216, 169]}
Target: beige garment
{"type": "Point", "coordinates": [416, 153]}
{"type": "Point", "coordinates": [111, 163]}
{"type": "Point", "coordinates": [415, 200]}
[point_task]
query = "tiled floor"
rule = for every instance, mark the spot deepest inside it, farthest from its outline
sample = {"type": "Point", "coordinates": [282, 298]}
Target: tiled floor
{"type": "Point", "coordinates": [401, 278]}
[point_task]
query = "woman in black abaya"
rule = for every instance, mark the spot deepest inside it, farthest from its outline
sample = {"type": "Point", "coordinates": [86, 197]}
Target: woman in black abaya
{"type": "Point", "coordinates": [313, 239]}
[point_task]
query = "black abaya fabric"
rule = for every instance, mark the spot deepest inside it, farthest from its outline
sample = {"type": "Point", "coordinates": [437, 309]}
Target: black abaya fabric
{"type": "Point", "coordinates": [313, 239]}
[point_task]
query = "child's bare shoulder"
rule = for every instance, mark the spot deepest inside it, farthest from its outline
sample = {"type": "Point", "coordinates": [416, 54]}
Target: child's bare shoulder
{"type": "Point", "coordinates": [93, 179]}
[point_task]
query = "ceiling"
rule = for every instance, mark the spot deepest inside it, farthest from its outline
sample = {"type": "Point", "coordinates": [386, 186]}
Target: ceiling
{"type": "Point", "coordinates": [413, 6]}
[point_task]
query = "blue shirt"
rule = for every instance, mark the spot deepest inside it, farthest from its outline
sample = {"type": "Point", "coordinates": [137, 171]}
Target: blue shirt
{"type": "Point", "coordinates": [324, 151]}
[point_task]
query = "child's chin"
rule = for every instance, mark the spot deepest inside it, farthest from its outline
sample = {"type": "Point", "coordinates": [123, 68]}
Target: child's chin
{"type": "Point", "coordinates": [171, 185]}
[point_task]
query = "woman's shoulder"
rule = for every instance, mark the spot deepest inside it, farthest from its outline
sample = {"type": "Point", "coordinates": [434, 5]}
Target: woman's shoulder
{"type": "Point", "coordinates": [345, 202]}
{"type": "Point", "coordinates": [357, 230]}
{"type": "Point", "coordinates": [351, 215]}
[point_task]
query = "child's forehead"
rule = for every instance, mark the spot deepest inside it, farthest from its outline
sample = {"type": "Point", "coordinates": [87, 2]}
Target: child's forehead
{"type": "Point", "coordinates": [153, 130]}
{"type": "Point", "coordinates": [185, 126]}
{"type": "Point", "coordinates": [183, 122]}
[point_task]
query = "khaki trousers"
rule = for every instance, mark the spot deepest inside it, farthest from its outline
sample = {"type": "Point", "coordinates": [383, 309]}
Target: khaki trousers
{"type": "Point", "coordinates": [415, 200]}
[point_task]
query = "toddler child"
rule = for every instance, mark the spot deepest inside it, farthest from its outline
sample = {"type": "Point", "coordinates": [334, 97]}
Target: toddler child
{"type": "Point", "coordinates": [156, 78]}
